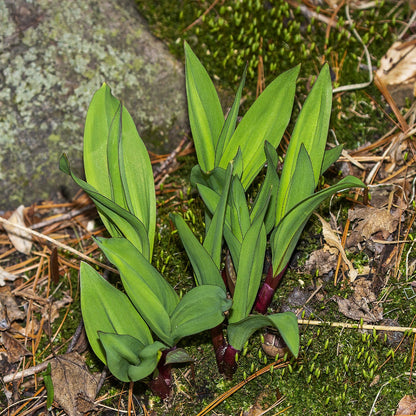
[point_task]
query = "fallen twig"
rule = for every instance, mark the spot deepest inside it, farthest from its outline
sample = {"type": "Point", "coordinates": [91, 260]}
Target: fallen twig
{"type": "Point", "coordinates": [358, 326]}
{"type": "Point", "coordinates": [57, 243]}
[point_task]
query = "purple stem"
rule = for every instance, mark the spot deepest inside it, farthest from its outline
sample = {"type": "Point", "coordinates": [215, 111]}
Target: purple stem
{"type": "Point", "coordinates": [161, 385]}
{"type": "Point", "coordinates": [224, 353]}
{"type": "Point", "coordinates": [266, 292]}
{"type": "Point", "coordinates": [229, 361]}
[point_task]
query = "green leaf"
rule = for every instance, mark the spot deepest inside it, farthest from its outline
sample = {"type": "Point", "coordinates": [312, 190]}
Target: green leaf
{"type": "Point", "coordinates": [200, 309]}
{"type": "Point", "coordinates": [286, 234]}
{"type": "Point", "coordinates": [178, 356]}
{"type": "Point", "coordinates": [116, 161]}
{"type": "Point", "coordinates": [47, 380]}
{"type": "Point", "coordinates": [213, 238]}
{"type": "Point", "coordinates": [100, 115]}
{"type": "Point", "coordinates": [311, 130]}
{"type": "Point", "coordinates": [205, 113]}
{"type": "Point", "coordinates": [124, 222]}
{"type": "Point", "coordinates": [330, 157]}
{"type": "Point", "coordinates": [128, 359]}
{"type": "Point", "coordinates": [238, 209]}
{"type": "Point", "coordinates": [206, 271]}
{"type": "Point", "coordinates": [266, 119]}
{"type": "Point", "coordinates": [286, 323]}
{"type": "Point", "coordinates": [149, 292]}
{"type": "Point", "coordinates": [250, 268]}
{"type": "Point", "coordinates": [230, 122]}
{"type": "Point", "coordinates": [104, 308]}
{"type": "Point", "coordinates": [137, 177]}
{"type": "Point", "coordinates": [301, 184]}
{"type": "Point", "coordinates": [214, 179]}
{"type": "Point", "coordinates": [270, 186]}
{"type": "Point", "coordinates": [211, 199]}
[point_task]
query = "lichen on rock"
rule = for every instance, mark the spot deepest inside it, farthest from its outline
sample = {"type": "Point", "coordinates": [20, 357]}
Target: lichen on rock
{"type": "Point", "coordinates": [54, 56]}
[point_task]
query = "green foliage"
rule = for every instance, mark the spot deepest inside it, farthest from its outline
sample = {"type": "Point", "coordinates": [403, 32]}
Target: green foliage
{"type": "Point", "coordinates": [288, 200]}
{"type": "Point", "coordinates": [114, 158]}
{"type": "Point", "coordinates": [120, 182]}
{"type": "Point", "coordinates": [217, 141]}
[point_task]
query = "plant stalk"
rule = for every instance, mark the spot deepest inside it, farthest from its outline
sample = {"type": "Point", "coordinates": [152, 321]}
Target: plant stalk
{"type": "Point", "coordinates": [266, 292]}
{"type": "Point", "coordinates": [161, 385]}
{"type": "Point", "coordinates": [225, 354]}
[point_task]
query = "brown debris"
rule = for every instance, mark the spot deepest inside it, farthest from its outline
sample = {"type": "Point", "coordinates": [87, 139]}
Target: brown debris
{"type": "Point", "coordinates": [370, 222]}
{"type": "Point", "coordinates": [407, 406]}
{"type": "Point", "coordinates": [397, 71]}
{"type": "Point", "coordinates": [357, 306]}
{"type": "Point", "coordinates": [74, 386]}
{"type": "Point", "coordinates": [21, 240]}
{"type": "Point", "coordinates": [15, 350]}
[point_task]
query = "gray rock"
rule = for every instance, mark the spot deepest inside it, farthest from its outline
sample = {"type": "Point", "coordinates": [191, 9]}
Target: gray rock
{"type": "Point", "coordinates": [53, 56]}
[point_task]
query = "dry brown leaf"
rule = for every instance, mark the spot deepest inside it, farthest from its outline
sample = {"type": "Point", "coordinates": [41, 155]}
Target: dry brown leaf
{"type": "Point", "coordinates": [8, 302]}
{"type": "Point", "coordinates": [370, 221]}
{"type": "Point", "coordinates": [6, 276]}
{"type": "Point", "coordinates": [407, 406]}
{"type": "Point", "coordinates": [357, 306]}
{"type": "Point", "coordinates": [15, 350]}
{"type": "Point", "coordinates": [333, 241]}
{"type": "Point", "coordinates": [398, 72]}
{"type": "Point", "coordinates": [323, 261]}
{"type": "Point", "coordinates": [74, 386]}
{"type": "Point", "coordinates": [51, 312]}
{"type": "Point", "coordinates": [21, 240]}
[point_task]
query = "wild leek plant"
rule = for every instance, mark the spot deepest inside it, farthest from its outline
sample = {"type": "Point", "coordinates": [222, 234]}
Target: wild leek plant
{"type": "Point", "coordinates": [282, 206]}
{"type": "Point", "coordinates": [121, 326]}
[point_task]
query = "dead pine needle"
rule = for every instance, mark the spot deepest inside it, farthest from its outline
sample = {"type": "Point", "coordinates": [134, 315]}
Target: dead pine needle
{"type": "Point", "coordinates": [232, 390]}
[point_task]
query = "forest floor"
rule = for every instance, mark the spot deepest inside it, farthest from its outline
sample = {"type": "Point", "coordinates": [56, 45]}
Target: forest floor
{"type": "Point", "coordinates": [351, 281]}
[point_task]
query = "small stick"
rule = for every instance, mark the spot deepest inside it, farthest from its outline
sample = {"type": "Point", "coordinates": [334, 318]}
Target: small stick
{"type": "Point", "coordinates": [357, 326]}
{"type": "Point", "coordinates": [57, 243]}
{"type": "Point", "coordinates": [169, 159]}
{"type": "Point", "coordinates": [63, 217]}
{"type": "Point", "coordinates": [199, 20]}
{"type": "Point", "coordinates": [27, 372]}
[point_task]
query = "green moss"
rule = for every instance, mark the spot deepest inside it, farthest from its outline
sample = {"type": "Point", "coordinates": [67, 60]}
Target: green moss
{"type": "Point", "coordinates": [234, 33]}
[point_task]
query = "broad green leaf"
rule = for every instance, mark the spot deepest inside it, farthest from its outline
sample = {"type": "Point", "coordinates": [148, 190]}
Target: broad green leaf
{"type": "Point", "coordinates": [100, 115]}
{"type": "Point", "coordinates": [238, 209]}
{"type": "Point", "coordinates": [124, 223]}
{"type": "Point", "coordinates": [200, 309]}
{"type": "Point", "coordinates": [286, 322]}
{"type": "Point", "coordinates": [214, 179]}
{"type": "Point", "coordinates": [270, 186]}
{"type": "Point", "coordinates": [178, 356]}
{"type": "Point", "coordinates": [230, 122]}
{"type": "Point", "coordinates": [137, 177]}
{"type": "Point", "coordinates": [250, 268]}
{"type": "Point", "coordinates": [149, 292]}
{"type": "Point", "coordinates": [213, 238]}
{"type": "Point", "coordinates": [301, 184]}
{"type": "Point", "coordinates": [286, 234]}
{"type": "Point", "coordinates": [104, 308]}
{"type": "Point", "coordinates": [114, 139]}
{"type": "Point", "coordinates": [116, 161]}
{"type": "Point", "coordinates": [205, 113]}
{"type": "Point", "coordinates": [127, 358]}
{"type": "Point", "coordinates": [206, 271]}
{"type": "Point", "coordinates": [211, 199]}
{"type": "Point", "coordinates": [311, 130]}
{"type": "Point", "coordinates": [266, 119]}
{"type": "Point", "coordinates": [330, 157]}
